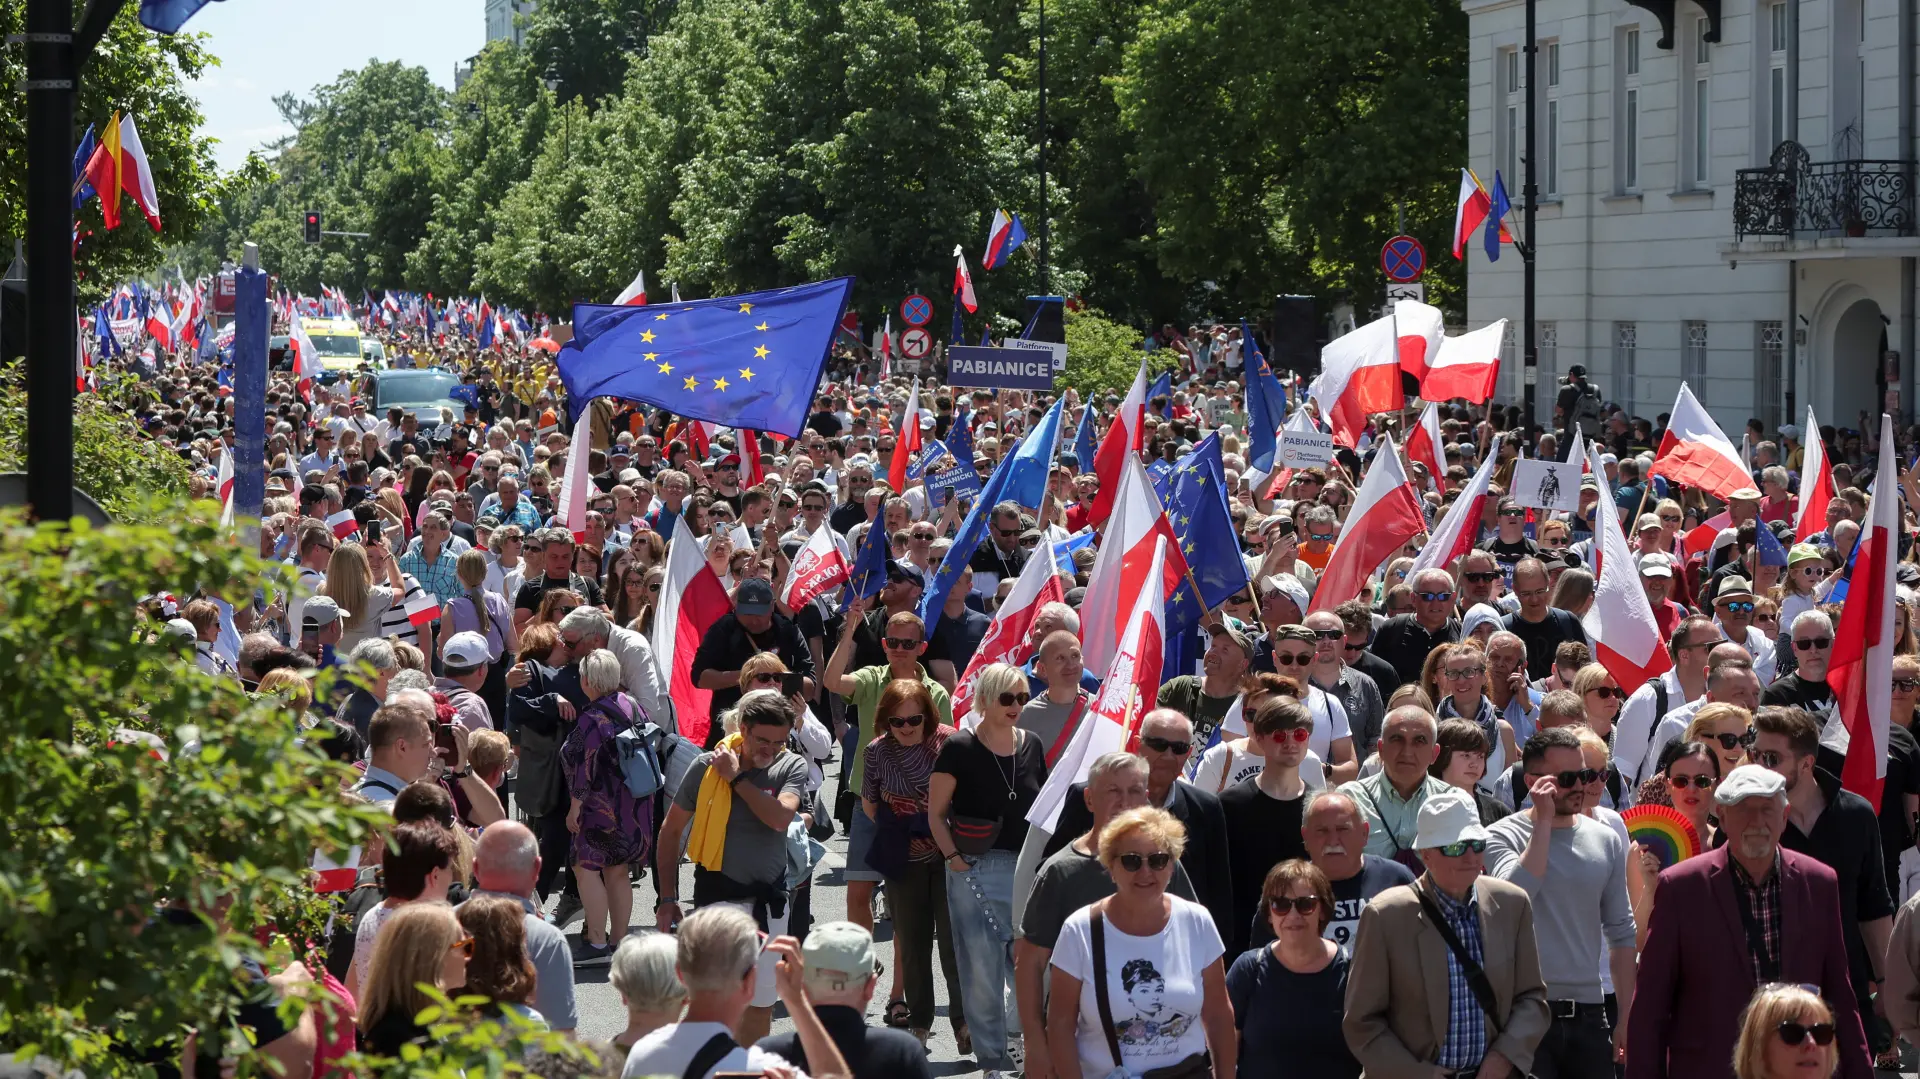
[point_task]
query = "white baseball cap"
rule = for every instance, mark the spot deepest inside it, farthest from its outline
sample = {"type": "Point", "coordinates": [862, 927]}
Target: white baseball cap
{"type": "Point", "coordinates": [465, 649]}
{"type": "Point", "coordinates": [1448, 816]}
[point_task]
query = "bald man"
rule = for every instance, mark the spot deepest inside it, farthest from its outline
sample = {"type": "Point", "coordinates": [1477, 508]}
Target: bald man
{"type": "Point", "coordinates": [506, 862]}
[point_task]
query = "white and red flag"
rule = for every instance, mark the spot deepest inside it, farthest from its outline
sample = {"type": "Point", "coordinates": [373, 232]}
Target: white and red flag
{"type": "Point", "coordinates": [886, 349]}
{"type": "Point", "coordinates": [343, 524]}
{"type": "Point", "coordinates": [1126, 695]}
{"type": "Point", "coordinates": [1470, 212]}
{"type": "Point", "coordinates": [1120, 567]}
{"type": "Point", "coordinates": [963, 281]}
{"type": "Point", "coordinates": [330, 875]}
{"type": "Point", "coordinates": [1455, 533]}
{"type": "Point", "coordinates": [753, 472]}
{"type": "Point", "coordinates": [1359, 376]}
{"type": "Point", "coordinates": [1626, 639]}
{"type": "Point", "coordinates": [906, 445]}
{"type": "Point", "coordinates": [1420, 330]}
{"type": "Point", "coordinates": [1816, 483]}
{"type": "Point", "coordinates": [1424, 445]}
{"type": "Point", "coordinates": [818, 567]}
{"type": "Point", "coordinates": [1696, 452]}
{"type": "Point", "coordinates": [1861, 671]}
{"type": "Point", "coordinates": [1386, 514]}
{"type": "Point", "coordinates": [422, 609]}
{"type": "Point", "coordinates": [1006, 640]}
{"type": "Point", "coordinates": [635, 294]}
{"type": "Point", "coordinates": [1467, 366]}
{"type": "Point", "coordinates": [575, 482]}
{"type": "Point", "coordinates": [223, 484]}
{"type": "Point", "coordinates": [1122, 443]}
{"type": "Point", "coordinates": [691, 601]}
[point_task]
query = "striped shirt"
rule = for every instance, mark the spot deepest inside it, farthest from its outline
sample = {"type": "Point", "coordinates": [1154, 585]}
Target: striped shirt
{"type": "Point", "coordinates": [394, 622]}
{"type": "Point", "coordinates": [899, 775]}
{"type": "Point", "coordinates": [1466, 1041]}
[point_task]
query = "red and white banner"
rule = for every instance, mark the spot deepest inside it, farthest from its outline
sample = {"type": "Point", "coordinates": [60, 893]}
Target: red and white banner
{"type": "Point", "coordinates": [1696, 452]}
{"type": "Point", "coordinates": [1126, 695]}
{"type": "Point", "coordinates": [1425, 447]}
{"type": "Point", "coordinates": [1120, 567]}
{"type": "Point", "coordinates": [1816, 483]}
{"type": "Point", "coordinates": [1121, 444]}
{"type": "Point", "coordinates": [691, 601]}
{"type": "Point", "coordinates": [818, 567]}
{"type": "Point", "coordinates": [223, 486]}
{"type": "Point", "coordinates": [1421, 330]}
{"type": "Point", "coordinates": [635, 293]}
{"type": "Point", "coordinates": [906, 445]}
{"type": "Point", "coordinates": [1006, 640]}
{"type": "Point", "coordinates": [1359, 376]}
{"type": "Point", "coordinates": [1861, 671]}
{"type": "Point", "coordinates": [422, 609]}
{"type": "Point", "coordinates": [1467, 366]}
{"type": "Point", "coordinates": [343, 524]}
{"type": "Point", "coordinates": [576, 482]}
{"type": "Point", "coordinates": [1455, 533]}
{"type": "Point", "coordinates": [1386, 514]}
{"type": "Point", "coordinates": [336, 876]}
{"type": "Point", "coordinates": [1626, 639]}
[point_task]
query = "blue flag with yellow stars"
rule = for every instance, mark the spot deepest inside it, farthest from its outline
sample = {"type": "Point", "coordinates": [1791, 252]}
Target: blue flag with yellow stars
{"type": "Point", "coordinates": [966, 541]}
{"type": "Point", "coordinates": [869, 574]}
{"type": "Point", "coordinates": [743, 361]}
{"type": "Point", "coordinates": [1197, 509]}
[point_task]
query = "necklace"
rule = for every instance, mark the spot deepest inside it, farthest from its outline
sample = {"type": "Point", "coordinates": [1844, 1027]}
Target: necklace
{"type": "Point", "coordinates": [1013, 770]}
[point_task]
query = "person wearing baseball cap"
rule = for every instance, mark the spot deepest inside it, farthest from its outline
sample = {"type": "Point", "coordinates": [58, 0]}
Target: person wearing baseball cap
{"type": "Point", "coordinates": [753, 626]}
{"type": "Point", "coordinates": [1732, 919]}
{"type": "Point", "coordinates": [841, 975]}
{"type": "Point", "coordinates": [1657, 580]}
{"type": "Point", "coordinates": [320, 629]}
{"type": "Point", "coordinates": [1398, 982]}
{"type": "Point", "coordinates": [463, 668]}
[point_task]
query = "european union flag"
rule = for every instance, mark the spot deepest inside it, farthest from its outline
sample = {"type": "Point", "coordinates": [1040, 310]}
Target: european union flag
{"type": "Point", "coordinates": [1083, 438]}
{"type": "Point", "coordinates": [960, 435]}
{"type": "Point", "coordinates": [1033, 461]}
{"type": "Point", "coordinates": [1197, 509]}
{"type": "Point", "coordinates": [967, 540]}
{"type": "Point", "coordinates": [1162, 387]}
{"type": "Point", "coordinates": [742, 361]}
{"type": "Point", "coordinates": [869, 568]}
{"type": "Point", "coordinates": [1266, 405]}
{"type": "Point", "coordinates": [1768, 546]}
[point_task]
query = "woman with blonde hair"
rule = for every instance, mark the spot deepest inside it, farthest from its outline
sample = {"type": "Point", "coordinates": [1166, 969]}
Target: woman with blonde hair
{"type": "Point", "coordinates": [393, 507]}
{"type": "Point", "coordinates": [1600, 696]}
{"type": "Point", "coordinates": [350, 584]}
{"type": "Point", "coordinates": [1573, 592]}
{"type": "Point", "coordinates": [1727, 729]}
{"type": "Point", "coordinates": [420, 944]}
{"type": "Point", "coordinates": [480, 611]}
{"type": "Point", "coordinates": [611, 828]}
{"type": "Point", "coordinates": [1786, 1032]}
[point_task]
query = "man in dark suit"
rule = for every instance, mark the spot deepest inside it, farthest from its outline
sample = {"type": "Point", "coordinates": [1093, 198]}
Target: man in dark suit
{"type": "Point", "coordinates": [1166, 741]}
{"type": "Point", "coordinates": [1728, 922]}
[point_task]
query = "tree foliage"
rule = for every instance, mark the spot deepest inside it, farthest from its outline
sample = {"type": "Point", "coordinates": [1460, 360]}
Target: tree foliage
{"type": "Point", "coordinates": [1103, 355]}
{"type": "Point", "coordinates": [134, 478]}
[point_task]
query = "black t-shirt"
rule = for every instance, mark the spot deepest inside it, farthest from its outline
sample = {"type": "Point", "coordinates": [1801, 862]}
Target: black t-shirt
{"type": "Point", "coordinates": [535, 588]}
{"type": "Point", "coordinates": [1903, 778]}
{"type": "Point", "coordinates": [1794, 691]}
{"type": "Point", "coordinates": [1509, 553]}
{"type": "Point", "coordinates": [983, 781]}
{"type": "Point", "coordinates": [989, 558]}
{"type": "Point", "coordinates": [1262, 832]}
{"type": "Point", "coordinates": [1846, 839]}
{"type": "Point", "coordinates": [843, 519]}
{"type": "Point", "coordinates": [826, 423]}
{"type": "Point", "coordinates": [1290, 1024]}
{"type": "Point", "coordinates": [1542, 638]}
{"type": "Point", "coordinates": [957, 637]}
{"type": "Point", "coordinates": [727, 646]}
{"type": "Point", "coordinates": [871, 1052]}
{"type": "Point", "coordinates": [1404, 643]}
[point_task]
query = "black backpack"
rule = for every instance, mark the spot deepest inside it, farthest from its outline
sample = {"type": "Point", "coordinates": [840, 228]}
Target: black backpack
{"type": "Point", "coordinates": [368, 892]}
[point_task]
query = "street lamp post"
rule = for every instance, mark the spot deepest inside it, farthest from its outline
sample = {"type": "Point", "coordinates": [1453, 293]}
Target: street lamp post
{"type": "Point", "coordinates": [1045, 219]}
{"type": "Point", "coordinates": [1530, 196]}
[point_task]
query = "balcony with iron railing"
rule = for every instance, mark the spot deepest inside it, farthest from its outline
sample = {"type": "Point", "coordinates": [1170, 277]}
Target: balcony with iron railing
{"type": "Point", "coordinates": [1793, 198]}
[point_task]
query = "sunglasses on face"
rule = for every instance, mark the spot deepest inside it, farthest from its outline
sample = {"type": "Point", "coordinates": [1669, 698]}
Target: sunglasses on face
{"type": "Point", "coordinates": [1434, 597]}
{"type": "Point", "coordinates": [1906, 685]}
{"type": "Point", "coordinates": [1351, 647]}
{"type": "Point", "coordinates": [901, 644]}
{"type": "Point", "coordinates": [1810, 571]}
{"type": "Point", "coordinates": [1769, 758]}
{"type": "Point", "coordinates": [914, 720]}
{"type": "Point", "coordinates": [1607, 693]}
{"type": "Point", "coordinates": [1808, 644]}
{"type": "Point", "coordinates": [1729, 741]}
{"type": "Point", "coordinates": [1564, 780]}
{"type": "Point", "coordinates": [758, 679]}
{"type": "Point", "coordinates": [1329, 634]}
{"type": "Point", "coordinates": [1794, 1033]}
{"type": "Point", "coordinates": [1741, 607]}
{"type": "Point", "coordinates": [1664, 519]}
{"type": "Point", "coordinates": [1455, 850]}
{"type": "Point", "coordinates": [1243, 598]}
{"type": "Point", "coordinates": [1483, 578]}
{"type": "Point", "coordinates": [1291, 734]}
{"type": "Point", "coordinates": [1299, 904]}
{"type": "Point", "coordinates": [1008, 700]}
{"type": "Point", "coordinates": [1699, 783]}
{"type": "Point", "coordinates": [1159, 860]}
{"type": "Point", "coordinates": [1166, 745]}
{"type": "Point", "coordinates": [1320, 537]}
{"type": "Point", "coordinates": [465, 947]}
{"type": "Point", "coordinates": [1288, 659]}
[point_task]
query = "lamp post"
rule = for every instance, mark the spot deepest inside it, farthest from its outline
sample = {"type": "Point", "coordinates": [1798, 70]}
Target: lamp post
{"type": "Point", "coordinates": [1045, 226]}
{"type": "Point", "coordinates": [1529, 197]}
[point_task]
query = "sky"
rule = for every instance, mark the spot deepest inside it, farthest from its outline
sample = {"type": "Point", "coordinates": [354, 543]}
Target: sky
{"type": "Point", "coordinates": [271, 47]}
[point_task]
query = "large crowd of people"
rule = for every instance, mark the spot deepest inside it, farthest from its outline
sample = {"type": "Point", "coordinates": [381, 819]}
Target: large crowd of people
{"type": "Point", "coordinates": [1375, 834]}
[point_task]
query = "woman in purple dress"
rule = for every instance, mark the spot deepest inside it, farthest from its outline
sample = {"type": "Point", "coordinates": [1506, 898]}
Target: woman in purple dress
{"type": "Point", "coordinates": [611, 828]}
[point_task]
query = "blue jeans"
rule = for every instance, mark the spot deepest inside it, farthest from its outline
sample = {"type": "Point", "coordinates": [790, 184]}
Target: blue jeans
{"type": "Point", "coordinates": [980, 902]}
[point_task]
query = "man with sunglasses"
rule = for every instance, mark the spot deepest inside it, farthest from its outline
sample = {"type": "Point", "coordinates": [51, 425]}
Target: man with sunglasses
{"type": "Point", "coordinates": [1400, 982]}
{"type": "Point", "coordinates": [1733, 611]}
{"type": "Point", "coordinates": [1003, 558]}
{"type": "Point", "coordinates": [1481, 580]}
{"type": "Point", "coordinates": [1573, 867]}
{"type": "Point", "coordinates": [1811, 637]}
{"type": "Point", "coordinates": [1729, 920]}
{"type": "Point", "coordinates": [1405, 640]}
{"type": "Point", "coordinates": [1264, 812]}
{"type": "Point", "coordinates": [1541, 627]}
{"type": "Point", "coordinates": [1510, 543]}
{"type": "Point", "coordinates": [1358, 694]}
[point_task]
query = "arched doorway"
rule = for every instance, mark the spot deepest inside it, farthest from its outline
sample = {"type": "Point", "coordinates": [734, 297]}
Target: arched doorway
{"type": "Point", "coordinates": [1854, 369]}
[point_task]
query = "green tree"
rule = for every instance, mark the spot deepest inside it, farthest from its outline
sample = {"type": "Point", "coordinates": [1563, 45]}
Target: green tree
{"type": "Point", "coordinates": [1103, 355]}
{"type": "Point", "coordinates": [113, 461]}
{"type": "Point", "coordinates": [144, 75]}
{"type": "Point", "coordinates": [539, 253]}
{"type": "Point", "coordinates": [583, 47]}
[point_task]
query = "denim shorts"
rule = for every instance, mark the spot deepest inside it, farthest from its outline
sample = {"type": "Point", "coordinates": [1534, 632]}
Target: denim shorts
{"type": "Point", "coordinates": [859, 839]}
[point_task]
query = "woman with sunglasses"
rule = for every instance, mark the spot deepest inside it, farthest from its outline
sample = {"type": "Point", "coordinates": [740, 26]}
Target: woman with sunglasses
{"type": "Point", "coordinates": [900, 762]}
{"type": "Point", "coordinates": [1601, 696]}
{"type": "Point", "coordinates": [555, 603]}
{"type": "Point", "coordinates": [1688, 773]}
{"type": "Point", "coordinates": [1786, 1032]}
{"type": "Point", "coordinates": [1289, 996]}
{"type": "Point", "coordinates": [1137, 980]}
{"type": "Point", "coordinates": [1459, 680]}
{"type": "Point", "coordinates": [1727, 732]}
{"type": "Point", "coordinates": [984, 782]}
{"type": "Point", "coordinates": [422, 944]}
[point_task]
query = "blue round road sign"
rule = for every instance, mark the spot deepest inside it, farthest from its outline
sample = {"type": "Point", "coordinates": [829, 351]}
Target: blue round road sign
{"type": "Point", "coordinates": [916, 310]}
{"type": "Point", "coordinates": [1403, 258]}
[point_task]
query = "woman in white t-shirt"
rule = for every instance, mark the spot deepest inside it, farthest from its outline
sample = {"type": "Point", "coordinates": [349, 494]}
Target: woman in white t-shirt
{"type": "Point", "coordinates": [1137, 981]}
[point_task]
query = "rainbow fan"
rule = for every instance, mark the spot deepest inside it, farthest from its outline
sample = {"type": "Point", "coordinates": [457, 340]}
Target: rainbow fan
{"type": "Point", "coordinates": [1664, 831]}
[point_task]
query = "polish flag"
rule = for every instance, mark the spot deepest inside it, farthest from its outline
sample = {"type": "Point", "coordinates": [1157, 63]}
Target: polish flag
{"type": "Point", "coordinates": [635, 294]}
{"type": "Point", "coordinates": [1120, 567]}
{"type": "Point", "coordinates": [906, 446]}
{"type": "Point", "coordinates": [575, 482]}
{"type": "Point", "coordinates": [1699, 539]}
{"type": "Point", "coordinates": [1122, 444]}
{"type": "Point", "coordinates": [1861, 671]}
{"type": "Point", "coordinates": [753, 472]}
{"type": "Point", "coordinates": [1386, 514]}
{"type": "Point", "coordinates": [1467, 366]}
{"type": "Point", "coordinates": [691, 601]}
{"type": "Point", "coordinates": [1695, 452]}
{"type": "Point", "coordinates": [1454, 535]}
{"type": "Point", "coordinates": [1006, 639]}
{"type": "Point", "coordinates": [343, 524]}
{"type": "Point", "coordinates": [1424, 445]}
{"type": "Point", "coordinates": [1469, 213]}
{"type": "Point", "coordinates": [306, 360]}
{"type": "Point", "coordinates": [160, 324]}
{"type": "Point", "coordinates": [1816, 483]}
{"type": "Point", "coordinates": [336, 876]}
{"type": "Point", "coordinates": [1626, 639]}
{"type": "Point", "coordinates": [422, 609]}
{"type": "Point", "coordinates": [1127, 693]}
{"type": "Point", "coordinates": [1359, 376]}
{"type": "Point", "coordinates": [963, 281]}
{"type": "Point", "coordinates": [223, 484]}
{"type": "Point", "coordinates": [886, 350]}
{"type": "Point", "coordinates": [1421, 330]}
{"type": "Point", "coordinates": [818, 567]}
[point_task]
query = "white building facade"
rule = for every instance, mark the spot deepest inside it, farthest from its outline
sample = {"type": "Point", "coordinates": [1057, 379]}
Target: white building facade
{"type": "Point", "coordinates": [504, 21]}
{"type": "Point", "coordinates": [1726, 196]}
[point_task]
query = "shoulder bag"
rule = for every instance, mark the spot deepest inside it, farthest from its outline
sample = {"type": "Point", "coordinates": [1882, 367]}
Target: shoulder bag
{"type": "Point", "coordinates": [1197, 1066]}
{"type": "Point", "coordinates": [1476, 977]}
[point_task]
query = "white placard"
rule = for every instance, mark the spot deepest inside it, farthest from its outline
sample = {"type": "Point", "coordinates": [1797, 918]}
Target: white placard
{"type": "Point", "coordinates": [1551, 485]}
{"type": "Point", "coordinates": [1406, 290]}
{"type": "Point", "coordinates": [1059, 351]}
{"type": "Point", "coordinates": [1305, 449]}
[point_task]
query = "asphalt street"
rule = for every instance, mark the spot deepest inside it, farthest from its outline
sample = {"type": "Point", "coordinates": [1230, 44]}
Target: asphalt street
{"type": "Point", "coordinates": [602, 1015]}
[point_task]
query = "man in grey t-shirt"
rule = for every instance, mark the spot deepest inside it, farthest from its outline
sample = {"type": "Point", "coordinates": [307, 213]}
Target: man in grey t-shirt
{"type": "Point", "coordinates": [746, 865]}
{"type": "Point", "coordinates": [1047, 716]}
{"type": "Point", "coordinates": [506, 862]}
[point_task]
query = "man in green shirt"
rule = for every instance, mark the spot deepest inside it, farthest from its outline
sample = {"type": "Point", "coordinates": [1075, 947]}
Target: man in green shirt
{"type": "Point", "coordinates": [905, 640]}
{"type": "Point", "coordinates": [1205, 699]}
{"type": "Point", "coordinates": [1391, 798]}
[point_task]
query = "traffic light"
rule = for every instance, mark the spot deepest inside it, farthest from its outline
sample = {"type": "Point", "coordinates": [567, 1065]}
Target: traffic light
{"type": "Point", "coordinates": [313, 226]}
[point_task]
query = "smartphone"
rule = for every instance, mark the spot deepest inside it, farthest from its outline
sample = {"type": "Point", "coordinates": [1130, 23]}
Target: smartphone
{"type": "Point", "coordinates": [792, 684]}
{"type": "Point", "coordinates": [372, 531]}
{"type": "Point", "coordinates": [443, 742]}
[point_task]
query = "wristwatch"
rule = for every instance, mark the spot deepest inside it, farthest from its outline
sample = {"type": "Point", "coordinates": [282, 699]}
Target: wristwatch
{"type": "Point", "coordinates": [462, 774]}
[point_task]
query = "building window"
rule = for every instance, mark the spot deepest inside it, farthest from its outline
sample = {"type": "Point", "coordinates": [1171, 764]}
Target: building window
{"type": "Point", "coordinates": [1770, 357]}
{"type": "Point", "coordinates": [1547, 338]}
{"type": "Point", "coordinates": [1550, 175]}
{"type": "Point", "coordinates": [1512, 111]}
{"type": "Point", "coordinates": [1627, 111]}
{"type": "Point", "coordinates": [1699, 95]}
{"type": "Point", "coordinates": [1693, 355]}
{"type": "Point", "coordinates": [1626, 348]}
{"type": "Point", "coordinates": [1776, 76]}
